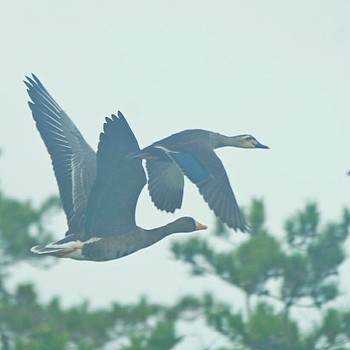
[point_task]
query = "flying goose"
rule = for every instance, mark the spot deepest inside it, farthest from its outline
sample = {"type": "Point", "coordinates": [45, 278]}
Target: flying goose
{"type": "Point", "coordinates": [191, 153]}
{"type": "Point", "coordinates": [99, 191]}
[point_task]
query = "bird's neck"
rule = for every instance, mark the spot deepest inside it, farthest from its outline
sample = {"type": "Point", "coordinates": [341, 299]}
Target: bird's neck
{"type": "Point", "coordinates": [156, 234]}
{"type": "Point", "coordinates": [219, 140]}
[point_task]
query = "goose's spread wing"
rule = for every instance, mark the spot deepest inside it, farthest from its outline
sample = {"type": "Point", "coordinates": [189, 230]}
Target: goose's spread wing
{"type": "Point", "coordinates": [204, 168]}
{"type": "Point", "coordinates": [73, 160]}
{"type": "Point", "coordinates": [119, 181]}
{"type": "Point", "coordinates": [165, 184]}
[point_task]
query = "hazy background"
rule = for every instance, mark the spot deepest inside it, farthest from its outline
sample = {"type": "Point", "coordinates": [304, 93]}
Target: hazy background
{"type": "Point", "coordinates": [278, 70]}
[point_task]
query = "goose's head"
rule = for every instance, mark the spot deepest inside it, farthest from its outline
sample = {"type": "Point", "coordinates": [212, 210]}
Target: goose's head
{"type": "Point", "coordinates": [247, 141]}
{"type": "Point", "coordinates": [188, 224]}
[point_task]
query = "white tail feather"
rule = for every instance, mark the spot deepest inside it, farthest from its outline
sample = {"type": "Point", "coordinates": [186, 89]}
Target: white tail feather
{"type": "Point", "coordinates": [72, 249]}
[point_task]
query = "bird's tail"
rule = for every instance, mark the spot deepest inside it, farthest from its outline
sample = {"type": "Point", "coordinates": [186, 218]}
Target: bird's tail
{"type": "Point", "coordinates": [47, 250]}
{"type": "Point", "coordinates": [72, 249]}
{"type": "Point", "coordinates": [136, 154]}
{"type": "Point", "coordinates": [142, 155]}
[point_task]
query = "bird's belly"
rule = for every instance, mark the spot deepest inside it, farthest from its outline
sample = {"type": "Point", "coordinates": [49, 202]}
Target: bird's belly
{"type": "Point", "coordinates": [111, 248]}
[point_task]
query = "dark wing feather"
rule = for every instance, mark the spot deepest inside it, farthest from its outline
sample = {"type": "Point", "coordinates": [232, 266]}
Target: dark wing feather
{"type": "Point", "coordinates": [165, 178]}
{"type": "Point", "coordinates": [204, 168]}
{"type": "Point", "coordinates": [73, 160]}
{"type": "Point", "coordinates": [165, 184]}
{"type": "Point", "coordinates": [119, 181]}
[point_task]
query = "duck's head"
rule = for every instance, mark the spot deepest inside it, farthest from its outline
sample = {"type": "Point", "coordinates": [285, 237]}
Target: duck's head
{"type": "Point", "coordinates": [247, 141]}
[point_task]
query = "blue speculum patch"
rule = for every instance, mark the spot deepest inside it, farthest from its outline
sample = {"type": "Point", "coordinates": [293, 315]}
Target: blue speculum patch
{"type": "Point", "coordinates": [191, 167]}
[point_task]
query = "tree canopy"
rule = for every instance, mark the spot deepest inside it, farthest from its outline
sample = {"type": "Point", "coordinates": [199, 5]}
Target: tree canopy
{"type": "Point", "coordinates": [278, 274]}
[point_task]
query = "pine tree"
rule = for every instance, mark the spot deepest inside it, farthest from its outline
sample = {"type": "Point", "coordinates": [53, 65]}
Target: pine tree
{"type": "Point", "coordinates": [299, 269]}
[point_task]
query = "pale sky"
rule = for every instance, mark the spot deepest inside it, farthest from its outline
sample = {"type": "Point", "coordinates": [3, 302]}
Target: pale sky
{"type": "Point", "coordinates": [279, 70]}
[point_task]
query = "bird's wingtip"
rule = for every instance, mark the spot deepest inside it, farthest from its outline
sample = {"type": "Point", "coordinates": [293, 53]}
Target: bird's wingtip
{"type": "Point", "coordinates": [121, 115]}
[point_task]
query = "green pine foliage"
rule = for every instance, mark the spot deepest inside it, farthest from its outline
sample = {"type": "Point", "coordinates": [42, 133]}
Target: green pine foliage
{"type": "Point", "coordinates": [28, 324]}
{"type": "Point", "coordinates": [22, 226]}
{"type": "Point", "coordinates": [277, 275]}
{"type": "Point", "coordinates": [294, 270]}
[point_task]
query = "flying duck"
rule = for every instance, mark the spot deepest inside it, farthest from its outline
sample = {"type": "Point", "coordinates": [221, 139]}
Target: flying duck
{"type": "Point", "coordinates": [99, 191]}
{"type": "Point", "coordinates": [191, 153]}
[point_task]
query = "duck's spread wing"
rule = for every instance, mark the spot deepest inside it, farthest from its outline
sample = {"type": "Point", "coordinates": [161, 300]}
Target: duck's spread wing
{"type": "Point", "coordinates": [204, 168]}
{"type": "Point", "coordinates": [165, 184]}
{"type": "Point", "coordinates": [73, 160]}
{"type": "Point", "coordinates": [119, 181]}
